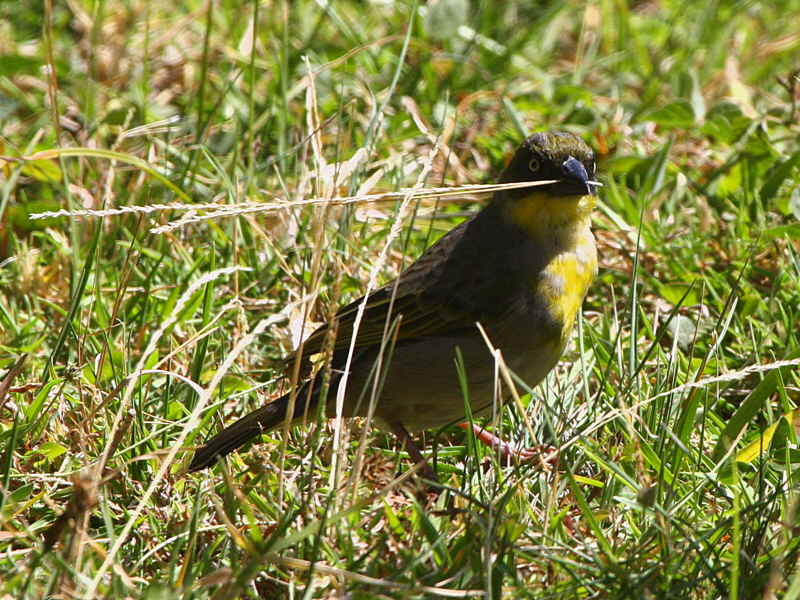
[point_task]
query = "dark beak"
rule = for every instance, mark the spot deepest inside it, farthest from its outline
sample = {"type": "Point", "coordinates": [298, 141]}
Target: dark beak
{"type": "Point", "coordinates": [575, 177]}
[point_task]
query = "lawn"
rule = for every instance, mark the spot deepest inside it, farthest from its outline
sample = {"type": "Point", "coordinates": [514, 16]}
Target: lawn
{"type": "Point", "coordinates": [216, 178]}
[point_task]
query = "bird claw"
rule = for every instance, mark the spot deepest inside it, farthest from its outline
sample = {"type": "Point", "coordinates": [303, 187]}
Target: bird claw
{"type": "Point", "coordinates": [543, 454]}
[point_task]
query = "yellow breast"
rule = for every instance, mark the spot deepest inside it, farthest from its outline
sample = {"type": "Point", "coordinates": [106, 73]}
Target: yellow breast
{"type": "Point", "coordinates": [562, 228]}
{"type": "Point", "coordinates": [564, 282]}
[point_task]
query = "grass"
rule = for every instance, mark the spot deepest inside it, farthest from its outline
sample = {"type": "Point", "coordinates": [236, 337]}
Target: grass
{"type": "Point", "coordinates": [674, 408]}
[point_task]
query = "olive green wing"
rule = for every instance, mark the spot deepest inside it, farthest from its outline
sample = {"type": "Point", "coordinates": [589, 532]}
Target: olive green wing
{"type": "Point", "coordinates": [413, 296]}
{"type": "Point", "coordinates": [465, 277]}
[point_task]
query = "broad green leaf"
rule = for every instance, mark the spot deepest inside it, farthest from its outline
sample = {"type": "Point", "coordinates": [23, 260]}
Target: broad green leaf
{"type": "Point", "coordinates": [19, 216]}
{"type": "Point", "coordinates": [792, 231]}
{"type": "Point", "coordinates": [51, 450]}
{"type": "Point", "coordinates": [46, 171]}
{"type": "Point", "coordinates": [16, 64]}
{"type": "Point", "coordinates": [677, 115]}
{"type": "Point", "coordinates": [778, 175]}
{"type": "Point", "coordinates": [725, 122]}
{"type": "Point", "coordinates": [674, 292]}
{"type": "Point", "coordinates": [762, 443]}
{"type": "Point", "coordinates": [589, 481]}
{"type": "Point", "coordinates": [746, 412]}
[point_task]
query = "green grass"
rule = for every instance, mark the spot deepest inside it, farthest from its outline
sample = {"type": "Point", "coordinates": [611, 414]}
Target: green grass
{"type": "Point", "coordinates": [674, 407]}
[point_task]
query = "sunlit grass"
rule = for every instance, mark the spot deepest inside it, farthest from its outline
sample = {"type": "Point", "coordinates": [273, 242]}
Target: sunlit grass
{"type": "Point", "coordinates": [128, 335]}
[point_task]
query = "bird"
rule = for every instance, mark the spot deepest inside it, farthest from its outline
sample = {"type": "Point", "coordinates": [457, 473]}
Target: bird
{"type": "Point", "coordinates": [516, 273]}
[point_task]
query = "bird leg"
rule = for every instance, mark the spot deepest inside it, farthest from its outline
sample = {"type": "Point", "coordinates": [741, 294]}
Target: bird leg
{"type": "Point", "coordinates": [546, 455]}
{"type": "Point", "coordinates": [414, 451]}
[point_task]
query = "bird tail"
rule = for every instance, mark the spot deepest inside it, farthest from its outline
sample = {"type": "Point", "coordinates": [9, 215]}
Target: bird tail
{"type": "Point", "coordinates": [242, 431]}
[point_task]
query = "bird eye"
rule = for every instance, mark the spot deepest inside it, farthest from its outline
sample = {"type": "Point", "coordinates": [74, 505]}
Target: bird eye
{"type": "Point", "coordinates": [533, 165]}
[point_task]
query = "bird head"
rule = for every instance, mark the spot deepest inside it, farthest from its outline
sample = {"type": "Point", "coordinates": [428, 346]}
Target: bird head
{"type": "Point", "coordinates": [554, 155]}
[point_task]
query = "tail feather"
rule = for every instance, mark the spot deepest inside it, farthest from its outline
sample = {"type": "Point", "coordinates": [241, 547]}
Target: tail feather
{"type": "Point", "coordinates": [242, 431]}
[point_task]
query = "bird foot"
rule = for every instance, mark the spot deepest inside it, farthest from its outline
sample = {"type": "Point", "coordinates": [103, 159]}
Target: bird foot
{"type": "Point", "coordinates": [405, 439]}
{"type": "Point", "coordinates": [542, 454]}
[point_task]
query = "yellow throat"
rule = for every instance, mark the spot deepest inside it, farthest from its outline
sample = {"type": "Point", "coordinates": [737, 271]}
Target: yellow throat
{"type": "Point", "coordinates": [562, 227]}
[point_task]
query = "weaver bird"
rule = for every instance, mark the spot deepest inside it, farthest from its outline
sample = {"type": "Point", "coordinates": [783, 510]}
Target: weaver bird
{"type": "Point", "coordinates": [520, 268]}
